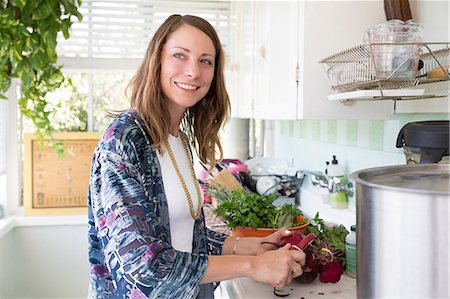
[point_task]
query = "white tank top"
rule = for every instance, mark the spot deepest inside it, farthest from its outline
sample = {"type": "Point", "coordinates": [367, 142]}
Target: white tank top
{"type": "Point", "coordinates": [181, 221]}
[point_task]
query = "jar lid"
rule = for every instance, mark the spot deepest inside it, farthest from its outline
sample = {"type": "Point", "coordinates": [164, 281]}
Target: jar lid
{"type": "Point", "coordinates": [425, 134]}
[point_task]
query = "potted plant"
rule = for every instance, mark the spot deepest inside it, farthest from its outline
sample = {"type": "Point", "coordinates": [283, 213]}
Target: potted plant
{"type": "Point", "coordinates": [250, 214]}
{"type": "Point", "coordinates": [28, 33]}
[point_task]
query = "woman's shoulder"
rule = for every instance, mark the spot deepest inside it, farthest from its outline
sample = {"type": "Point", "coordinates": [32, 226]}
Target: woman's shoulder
{"type": "Point", "coordinates": [125, 130]}
{"type": "Point", "coordinates": [126, 119]}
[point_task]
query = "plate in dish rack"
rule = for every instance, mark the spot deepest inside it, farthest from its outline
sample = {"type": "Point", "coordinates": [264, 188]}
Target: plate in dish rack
{"type": "Point", "coordinates": [266, 166]}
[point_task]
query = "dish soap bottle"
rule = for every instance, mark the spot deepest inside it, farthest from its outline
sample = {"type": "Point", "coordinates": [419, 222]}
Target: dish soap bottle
{"type": "Point", "coordinates": [350, 252]}
{"type": "Point", "coordinates": [337, 199]}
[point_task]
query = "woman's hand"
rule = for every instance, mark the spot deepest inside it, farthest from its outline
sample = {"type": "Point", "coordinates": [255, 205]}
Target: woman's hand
{"type": "Point", "coordinates": [272, 241]}
{"type": "Point", "coordinates": [278, 267]}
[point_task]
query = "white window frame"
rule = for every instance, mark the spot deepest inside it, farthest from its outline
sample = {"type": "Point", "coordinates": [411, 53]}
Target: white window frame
{"type": "Point", "coordinates": [11, 178]}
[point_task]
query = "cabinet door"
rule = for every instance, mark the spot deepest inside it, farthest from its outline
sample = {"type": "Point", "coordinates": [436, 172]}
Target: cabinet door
{"type": "Point", "coordinates": [240, 68]}
{"type": "Point", "coordinates": [276, 42]}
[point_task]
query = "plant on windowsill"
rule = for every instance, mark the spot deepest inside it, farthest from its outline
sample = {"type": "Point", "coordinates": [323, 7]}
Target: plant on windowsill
{"type": "Point", "coordinates": [28, 35]}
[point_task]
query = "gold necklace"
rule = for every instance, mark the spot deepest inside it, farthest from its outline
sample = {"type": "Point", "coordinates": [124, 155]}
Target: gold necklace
{"type": "Point", "coordinates": [183, 183]}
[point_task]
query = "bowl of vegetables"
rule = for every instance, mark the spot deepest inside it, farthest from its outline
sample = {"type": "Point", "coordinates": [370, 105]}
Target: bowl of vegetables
{"type": "Point", "coordinates": [250, 214]}
{"type": "Point", "coordinates": [247, 231]}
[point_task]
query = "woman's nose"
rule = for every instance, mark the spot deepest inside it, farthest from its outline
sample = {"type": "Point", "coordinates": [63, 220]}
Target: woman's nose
{"type": "Point", "coordinates": [192, 69]}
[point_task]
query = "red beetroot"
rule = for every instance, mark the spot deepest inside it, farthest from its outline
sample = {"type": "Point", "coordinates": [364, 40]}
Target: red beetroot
{"type": "Point", "coordinates": [331, 272]}
{"type": "Point", "coordinates": [306, 241]}
{"type": "Point", "coordinates": [310, 264]}
{"type": "Point", "coordinates": [294, 238]}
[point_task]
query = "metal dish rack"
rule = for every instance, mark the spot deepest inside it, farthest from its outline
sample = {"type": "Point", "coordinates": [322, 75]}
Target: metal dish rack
{"type": "Point", "coordinates": [355, 68]}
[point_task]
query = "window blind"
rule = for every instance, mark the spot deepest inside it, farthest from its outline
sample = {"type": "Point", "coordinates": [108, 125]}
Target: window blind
{"type": "Point", "coordinates": [115, 29]}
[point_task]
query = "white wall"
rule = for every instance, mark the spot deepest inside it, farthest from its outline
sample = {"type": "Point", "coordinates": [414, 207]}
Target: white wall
{"type": "Point", "coordinates": [44, 262]}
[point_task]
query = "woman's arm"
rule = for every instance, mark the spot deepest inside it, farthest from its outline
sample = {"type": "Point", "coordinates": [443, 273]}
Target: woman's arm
{"type": "Point", "coordinates": [275, 267]}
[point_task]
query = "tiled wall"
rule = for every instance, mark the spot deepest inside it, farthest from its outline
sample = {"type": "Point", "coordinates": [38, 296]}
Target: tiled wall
{"type": "Point", "coordinates": [312, 142]}
{"type": "Point", "coordinates": [358, 144]}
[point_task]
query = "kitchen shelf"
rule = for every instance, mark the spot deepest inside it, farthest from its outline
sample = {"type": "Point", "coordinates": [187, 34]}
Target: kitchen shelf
{"type": "Point", "coordinates": [354, 73]}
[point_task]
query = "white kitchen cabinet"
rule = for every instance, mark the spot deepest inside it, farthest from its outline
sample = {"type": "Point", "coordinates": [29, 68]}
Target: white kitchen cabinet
{"type": "Point", "coordinates": [240, 74]}
{"type": "Point", "coordinates": [275, 52]}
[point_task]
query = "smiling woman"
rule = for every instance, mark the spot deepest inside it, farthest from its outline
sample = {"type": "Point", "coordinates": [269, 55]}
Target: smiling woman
{"type": "Point", "coordinates": [147, 235]}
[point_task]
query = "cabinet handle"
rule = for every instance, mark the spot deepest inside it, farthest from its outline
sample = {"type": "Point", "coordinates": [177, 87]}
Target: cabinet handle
{"type": "Point", "coordinates": [262, 52]}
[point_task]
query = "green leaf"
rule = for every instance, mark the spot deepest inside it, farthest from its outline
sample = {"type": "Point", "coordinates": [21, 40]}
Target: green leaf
{"type": "Point", "coordinates": [19, 3]}
{"type": "Point", "coordinates": [42, 11]}
{"type": "Point", "coordinates": [65, 25]}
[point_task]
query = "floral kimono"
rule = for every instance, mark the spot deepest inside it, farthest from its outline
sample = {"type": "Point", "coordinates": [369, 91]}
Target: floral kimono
{"type": "Point", "coordinates": [130, 250]}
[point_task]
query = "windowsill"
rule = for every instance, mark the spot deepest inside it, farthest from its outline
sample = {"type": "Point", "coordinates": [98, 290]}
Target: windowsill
{"type": "Point", "coordinates": [10, 222]}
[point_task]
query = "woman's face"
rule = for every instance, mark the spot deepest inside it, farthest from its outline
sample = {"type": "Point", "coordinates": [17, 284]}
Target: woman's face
{"type": "Point", "coordinates": [187, 67]}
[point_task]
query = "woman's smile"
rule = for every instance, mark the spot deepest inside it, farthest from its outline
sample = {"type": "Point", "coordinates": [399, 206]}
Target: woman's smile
{"type": "Point", "coordinates": [187, 87]}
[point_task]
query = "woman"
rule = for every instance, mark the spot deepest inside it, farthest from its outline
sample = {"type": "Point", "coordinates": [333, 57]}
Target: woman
{"type": "Point", "coordinates": [147, 237]}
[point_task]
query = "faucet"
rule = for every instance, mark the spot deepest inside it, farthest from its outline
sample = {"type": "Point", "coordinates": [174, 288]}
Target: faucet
{"type": "Point", "coordinates": [332, 183]}
{"type": "Point", "coordinates": [336, 184]}
{"type": "Point", "coordinates": [318, 178]}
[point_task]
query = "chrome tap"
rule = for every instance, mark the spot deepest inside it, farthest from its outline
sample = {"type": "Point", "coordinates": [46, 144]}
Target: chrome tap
{"type": "Point", "coordinates": [336, 184]}
{"type": "Point", "coordinates": [318, 178]}
{"type": "Point", "coordinates": [332, 183]}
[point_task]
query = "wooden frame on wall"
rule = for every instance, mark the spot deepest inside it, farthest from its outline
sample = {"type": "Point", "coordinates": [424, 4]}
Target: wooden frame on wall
{"type": "Point", "coordinates": [58, 186]}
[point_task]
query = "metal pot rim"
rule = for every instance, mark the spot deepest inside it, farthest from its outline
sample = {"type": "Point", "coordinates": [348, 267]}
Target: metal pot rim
{"type": "Point", "coordinates": [357, 176]}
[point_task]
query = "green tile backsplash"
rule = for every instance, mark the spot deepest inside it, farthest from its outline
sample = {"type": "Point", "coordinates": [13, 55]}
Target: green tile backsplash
{"type": "Point", "coordinates": [332, 131]}
{"type": "Point", "coordinates": [352, 132]}
{"type": "Point", "coordinates": [378, 135]}
{"type": "Point", "coordinates": [315, 129]}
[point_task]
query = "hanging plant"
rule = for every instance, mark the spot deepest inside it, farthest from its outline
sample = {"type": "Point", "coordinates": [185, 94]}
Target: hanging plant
{"type": "Point", "coordinates": [28, 39]}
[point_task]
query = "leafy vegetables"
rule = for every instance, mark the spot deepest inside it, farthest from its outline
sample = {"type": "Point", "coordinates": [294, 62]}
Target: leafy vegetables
{"type": "Point", "coordinates": [238, 207]}
{"type": "Point", "coordinates": [333, 236]}
{"type": "Point", "coordinates": [329, 246]}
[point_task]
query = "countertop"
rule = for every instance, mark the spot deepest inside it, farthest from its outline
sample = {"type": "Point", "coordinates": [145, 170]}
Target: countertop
{"type": "Point", "coordinates": [246, 288]}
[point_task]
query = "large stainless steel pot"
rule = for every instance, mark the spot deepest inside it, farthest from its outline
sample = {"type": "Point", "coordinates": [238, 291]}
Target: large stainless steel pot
{"type": "Point", "coordinates": [403, 231]}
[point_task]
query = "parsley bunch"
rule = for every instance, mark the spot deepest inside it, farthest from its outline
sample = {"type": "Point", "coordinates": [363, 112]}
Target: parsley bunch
{"type": "Point", "coordinates": [239, 207]}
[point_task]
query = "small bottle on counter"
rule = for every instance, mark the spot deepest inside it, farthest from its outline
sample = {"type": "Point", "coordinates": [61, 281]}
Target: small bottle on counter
{"type": "Point", "coordinates": [337, 199]}
{"type": "Point", "coordinates": [350, 252]}
{"type": "Point", "coordinates": [324, 191]}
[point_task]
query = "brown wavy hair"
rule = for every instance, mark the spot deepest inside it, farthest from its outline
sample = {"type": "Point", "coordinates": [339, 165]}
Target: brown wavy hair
{"type": "Point", "coordinates": [201, 123]}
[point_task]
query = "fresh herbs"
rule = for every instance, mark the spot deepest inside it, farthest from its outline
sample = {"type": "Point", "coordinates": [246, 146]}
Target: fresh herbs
{"type": "Point", "coordinates": [238, 207]}
{"type": "Point", "coordinates": [287, 216]}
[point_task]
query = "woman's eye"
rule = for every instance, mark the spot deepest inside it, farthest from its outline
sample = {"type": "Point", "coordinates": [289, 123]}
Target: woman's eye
{"type": "Point", "coordinates": [179, 55]}
{"type": "Point", "coordinates": [206, 61]}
